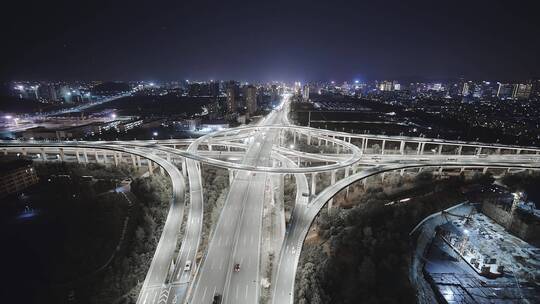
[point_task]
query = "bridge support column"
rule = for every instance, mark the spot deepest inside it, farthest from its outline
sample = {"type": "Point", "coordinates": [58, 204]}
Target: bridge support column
{"type": "Point", "coordinates": [418, 148]}
{"type": "Point", "coordinates": [460, 149]}
{"type": "Point", "coordinates": [24, 151]}
{"type": "Point", "coordinates": [383, 175]}
{"type": "Point", "coordinates": [332, 182]}
{"type": "Point", "coordinates": [85, 153]}
{"type": "Point", "coordinates": [402, 147]}
{"type": "Point", "coordinates": [115, 157]}
{"type": "Point", "coordinates": [133, 161]}
{"type": "Point", "coordinates": [440, 171]}
{"type": "Point", "coordinates": [364, 144]}
{"type": "Point", "coordinates": [96, 155]}
{"type": "Point", "coordinates": [139, 161]}
{"type": "Point", "coordinates": [150, 169]}
{"type": "Point", "coordinates": [462, 170]}
{"type": "Point", "coordinates": [77, 156]}
{"type": "Point", "coordinates": [485, 170]}
{"type": "Point", "coordinates": [422, 148]}
{"type": "Point", "coordinates": [439, 149]}
{"type": "Point", "coordinates": [161, 170]}
{"type": "Point", "coordinates": [498, 152]}
{"type": "Point", "coordinates": [346, 175]}
{"type": "Point", "coordinates": [319, 141]}
{"type": "Point", "coordinates": [210, 147]}
{"type": "Point", "coordinates": [383, 144]}
{"type": "Point", "coordinates": [518, 151]}
{"type": "Point", "coordinates": [313, 183]}
{"type": "Point", "coordinates": [294, 137]}
{"type": "Point", "coordinates": [105, 159]}
{"type": "Point", "coordinates": [401, 172]}
{"type": "Point", "coordinates": [43, 154]}
{"type": "Point", "coordinates": [184, 169]}
{"type": "Point", "coordinates": [309, 139]}
{"type": "Point", "coordinates": [61, 153]}
{"type": "Point", "coordinates": [478, 150]}
{"type": "Point", "coordinates": [231, 176]}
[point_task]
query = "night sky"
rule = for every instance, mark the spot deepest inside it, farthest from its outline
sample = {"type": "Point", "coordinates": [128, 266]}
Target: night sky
{"type": "Point", "coordinates": [270, 40]}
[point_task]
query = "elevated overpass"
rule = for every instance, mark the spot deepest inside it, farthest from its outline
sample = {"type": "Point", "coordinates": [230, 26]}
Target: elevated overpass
{"type": "Point", "coordinates": [252, 154]}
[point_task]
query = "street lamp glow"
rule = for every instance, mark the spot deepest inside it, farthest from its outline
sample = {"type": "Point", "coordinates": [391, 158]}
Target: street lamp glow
{"type": "Point", "coordinates": [155, 133]}
{"type": "Point", "coordinates": [291, 146]}
{"type": "Point", "coordinates": [8, 117]}
{"type": "Point", "coordinates": [113, 115]}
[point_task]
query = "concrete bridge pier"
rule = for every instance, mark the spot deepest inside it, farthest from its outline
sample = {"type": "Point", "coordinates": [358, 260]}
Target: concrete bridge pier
{"type": "Point", "coordinates": [184, 172]}
{"type": "Point", "coordinates": [150, 167]}
{"type": "Point", "coordinates": [347, 175]}
{"type": "Point", "coordinates": [134, 161]}
{"type": "Point", "coordinates": [332, 182]}
{"type": "Point", "coordinates": [313, 183]}
{"type": "Point", "coordinates": [231, 176]}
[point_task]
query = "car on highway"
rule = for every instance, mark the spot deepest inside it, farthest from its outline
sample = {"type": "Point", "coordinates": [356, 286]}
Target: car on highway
{"type": "Point", "coordinates": [236, 267]}
{"type": "Point", "coordinates": [217, 299]}
{"type": "Point", "coordinates": [187, 267]}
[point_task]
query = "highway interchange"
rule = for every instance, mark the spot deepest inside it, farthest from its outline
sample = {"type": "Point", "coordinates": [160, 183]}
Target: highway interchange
{"type": "Point", "coordinates": [253, 155]}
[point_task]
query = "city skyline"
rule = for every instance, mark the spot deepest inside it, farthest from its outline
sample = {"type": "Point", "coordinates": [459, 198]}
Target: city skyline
{"type": "Point", "coordinates": [300, 41]}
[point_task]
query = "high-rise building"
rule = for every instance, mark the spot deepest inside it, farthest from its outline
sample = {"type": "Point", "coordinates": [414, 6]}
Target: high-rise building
{"type": "Point", "coordinates": [466, 89]}
{"type": "Point", "coordinates": [214, 88]}
{"type": "Point", "coordinates": [297, 87]}
{"type": "Point", "coordinates": [232, 91]}
{"type": "Point", "coordinates": [504, 91]}
{"type": "Point", "coordinates": [251, 99]}
{"type": "Point", "coordinates": [305, 93]}
{"type": "Point", "coordinates": [231, 100]}
{"type": "Point", "coordinates": [274, 93]}
{"type": "Point", "coordinates": [522, 91]}
{"type": "Point", "coordinates": [535, 92]}
{"type": "Point", "coordinates": [47, 92]}
{"type": "Point", "coordinates": [386, 86]}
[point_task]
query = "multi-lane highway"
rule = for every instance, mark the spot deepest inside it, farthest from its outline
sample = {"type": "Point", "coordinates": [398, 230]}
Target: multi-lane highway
{"type": "Point", "coordinates": [236, 239]}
